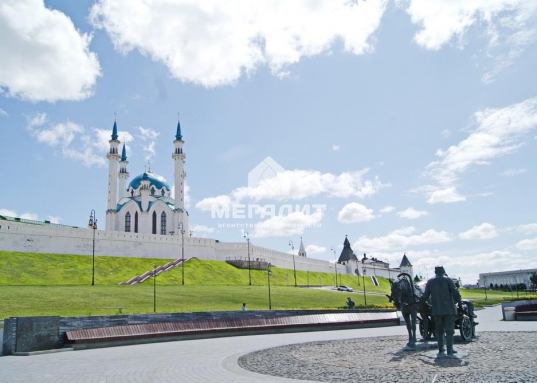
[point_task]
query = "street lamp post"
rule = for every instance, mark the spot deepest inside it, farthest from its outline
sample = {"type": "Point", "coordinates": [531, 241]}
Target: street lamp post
{"type": "Point", "coordinates": [93, 225]}
{"type": "Point", "coordinates": [155, 289]}
{"type": "Point", "coordinates": [182, 230]}
{"type": "Point", "coordinates": [249, 265]}
{"type": "Point", "coordinates": [294, 266]}
{"type": "Point", "coordinates": [389, 275]}
{"type": "Point", "coordinates": [269, 273]}
{"type": "Point", "coordinates": [363, 281]}
{"type": "Point", "coordinates": [333, 248]}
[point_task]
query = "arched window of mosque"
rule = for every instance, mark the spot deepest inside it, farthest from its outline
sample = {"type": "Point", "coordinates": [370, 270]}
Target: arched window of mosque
{"type": "Point", "coordinates": [128, 222]}
{"type": "Point", "coordinates": [132, 192]}
{"type": "Point", "coordinates": [154, 223]}
{"type": "Point", "coordinates": [163, 223]}
{"type": "Point", "coordinates": [162, 192]}
{"type": "Point", "coordinates": [152, 191]}
{"type": "Point", "coordinates": [136, 222]}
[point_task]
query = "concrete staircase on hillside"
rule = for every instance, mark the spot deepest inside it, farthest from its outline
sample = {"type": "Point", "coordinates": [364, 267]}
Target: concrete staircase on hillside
{"type": "Point", "coordinates": [159, 270]}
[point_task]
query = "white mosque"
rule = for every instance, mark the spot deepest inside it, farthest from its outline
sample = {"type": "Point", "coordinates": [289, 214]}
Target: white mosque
{"type": "Point", "coordinates": [145, 205]}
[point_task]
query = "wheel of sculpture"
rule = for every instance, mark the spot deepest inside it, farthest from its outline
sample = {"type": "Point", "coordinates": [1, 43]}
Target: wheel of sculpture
{"type": "Point", "coordinates": [466, 328]}
{"type": "Point", "coordinates": [430, 329]}
{"type": "Point", "coordinates": [463, 323]}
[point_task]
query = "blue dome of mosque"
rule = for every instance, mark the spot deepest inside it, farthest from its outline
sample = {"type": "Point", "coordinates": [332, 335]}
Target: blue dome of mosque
{"type": "Point", "coordinates": [154, 180]}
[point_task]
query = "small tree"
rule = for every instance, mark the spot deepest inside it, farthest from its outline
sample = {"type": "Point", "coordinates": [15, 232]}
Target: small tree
{"type": "Point", "coordinates": [491, 285]}
{"type": "Point", "coordinates": [533, 280]}
{"type": "Point", "coordinates": [416, 278]}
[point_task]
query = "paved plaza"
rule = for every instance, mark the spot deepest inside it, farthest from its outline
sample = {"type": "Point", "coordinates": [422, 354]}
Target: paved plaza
{"type": "Point", "coordinates": [504, 351]}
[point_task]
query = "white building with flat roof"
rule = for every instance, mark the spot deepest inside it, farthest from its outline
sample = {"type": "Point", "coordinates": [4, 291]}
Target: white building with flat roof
{"type": "Point", "coordinates": [510, 277]}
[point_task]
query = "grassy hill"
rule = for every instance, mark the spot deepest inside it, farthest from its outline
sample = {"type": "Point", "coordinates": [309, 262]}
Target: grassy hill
{"type": "Point", "coordinates": [58, 284]}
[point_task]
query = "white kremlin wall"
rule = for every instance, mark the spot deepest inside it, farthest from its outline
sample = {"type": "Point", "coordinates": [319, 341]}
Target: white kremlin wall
{"type": "Point", "coordinates": [50, 238]}
{"type": "Point", "coordinates": [15, 236]}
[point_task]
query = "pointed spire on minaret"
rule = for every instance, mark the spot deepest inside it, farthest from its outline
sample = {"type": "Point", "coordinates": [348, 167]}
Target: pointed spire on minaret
{"type": "Point", "coordinates": [178, 135]}
{"type": "Point", "coordinates": [123, 154]}
{"type": "Point", "coordinates": [114, 129]}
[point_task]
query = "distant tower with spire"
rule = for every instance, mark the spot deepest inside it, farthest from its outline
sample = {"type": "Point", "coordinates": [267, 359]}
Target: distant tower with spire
{"type": "Point", "coordinates": [113, 162]}
{"type": "Point", "coordinates": [301, 250]}
{"type": "Point", "coordinates": [347, 254]}
{"type": "Point", "coordinates": [406, 266]}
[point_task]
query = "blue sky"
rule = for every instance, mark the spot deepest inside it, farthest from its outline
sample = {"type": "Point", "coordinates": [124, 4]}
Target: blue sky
{"type": "Point", "coordinates": [413, 123]}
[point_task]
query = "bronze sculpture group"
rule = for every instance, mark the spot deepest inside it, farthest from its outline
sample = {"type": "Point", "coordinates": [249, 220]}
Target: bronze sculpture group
{"type": "Point", "coordinates": [439, 309]}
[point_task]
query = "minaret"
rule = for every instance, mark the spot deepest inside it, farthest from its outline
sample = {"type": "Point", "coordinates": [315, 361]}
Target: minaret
{"type": "Point", "coordinates": [123, 173]}
{"type": "Point", "coordinates": [113, 159]}
{"type": "Point", "coordinates": [301, 250]}
{"type": "Point", "coordinates": [179, 178]}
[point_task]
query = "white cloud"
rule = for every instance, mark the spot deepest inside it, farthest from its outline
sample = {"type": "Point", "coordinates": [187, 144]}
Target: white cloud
{"type": "Point", "coordinates": [301, 184]}
{"type": "Point", "coordinates": [446, 195]}
{"type": "Point", "coordinates": [54, 219]}
{"type": "Point", "coordinates": [497, 132]}
{"type": "Point", "coordinates": [148, 136]}
{"type": "Point", "coordinates": [355, 212]}
{"type": "Point", "coordinates": [387, 209]}
{"type": "Point", "coordinates": [201, 229]}
{"type": "Point", "coordinates": [36, 120]}
{"type": "Point", "coordinates": [314, 249]}
{"type": "Point", "coordinates": [61, 134]}
{"type": "Point", "coordinates": [513, 172]}
{"type": "Point", "coordinates": [44, 57]}
{"type": "Point", "coordinates": [13, 214]}
{"type": "Point", "coordinates": [287, 225]}
{"type": "Point", "coordinates": [336, 148]}
{"type": "Point", "coordinates": [412, 213]}
{"type": "Point", "coordinates": [3, 113]}
{"type": "Point", "coordinates": [527, 244]}
{"type": "Point", "coordinates": [31, 216]}
{"type": "Point", "coordinates": [186, 192]}
{"type": "Point", "coordinates": [527, 229]}
{"type": "Point", "coordinates": [483, 231]}
{"type": "Point", "coordinates": [502, 259]}
{"type": "Point", "coordinates": [7, 212]}
{"type": "Point", "coordinates": [509, 26]}
{"type": "Point", "coordinates": [213, 44]}
{"type": "Point", "coordinates": [73, 141]}
{"type": "Point", "coordinates": [446, 133]}
{"type": "Point", "coordinates": [401, 239]}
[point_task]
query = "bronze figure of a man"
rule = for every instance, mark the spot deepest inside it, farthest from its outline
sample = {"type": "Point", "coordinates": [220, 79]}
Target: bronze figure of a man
{"type": "Point", "coordinates": [444, 295]}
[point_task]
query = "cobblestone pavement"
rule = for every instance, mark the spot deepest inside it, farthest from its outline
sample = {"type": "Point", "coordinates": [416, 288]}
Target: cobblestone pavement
{"type": "Point", "coordinates": [494, 357]}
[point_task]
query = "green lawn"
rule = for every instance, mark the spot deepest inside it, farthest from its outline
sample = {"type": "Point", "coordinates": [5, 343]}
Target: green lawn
{"type": "Point", "coordinates": [54, 284]}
